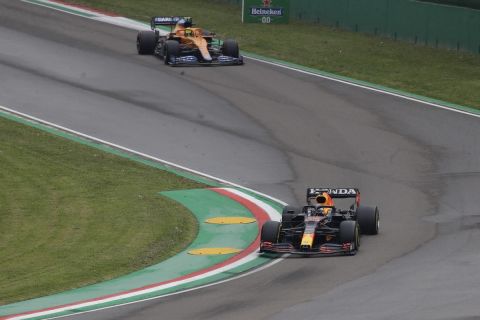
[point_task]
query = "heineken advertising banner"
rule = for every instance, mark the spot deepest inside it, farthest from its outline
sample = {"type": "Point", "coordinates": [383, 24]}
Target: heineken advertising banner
{"type": "Point", "coordinates": [265, 11]}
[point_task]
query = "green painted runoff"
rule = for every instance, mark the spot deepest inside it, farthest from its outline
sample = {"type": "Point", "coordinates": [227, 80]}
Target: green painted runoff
{"type": "Point", "coordinates": [72, 215]}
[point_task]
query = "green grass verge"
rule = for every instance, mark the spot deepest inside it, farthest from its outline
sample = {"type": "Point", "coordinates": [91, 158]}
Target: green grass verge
{"type": "Point", "coordinates": [72, 215]}
{"type": "Point", "coordinates": [436, 73]}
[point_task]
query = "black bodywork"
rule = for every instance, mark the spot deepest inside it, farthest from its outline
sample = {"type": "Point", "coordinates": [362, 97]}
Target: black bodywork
{"type": "Point", "coordinates": [316, 229]}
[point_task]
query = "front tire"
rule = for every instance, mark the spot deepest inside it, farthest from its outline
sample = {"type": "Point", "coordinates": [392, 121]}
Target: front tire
{"type": "Point", "coordinates": [172, 50]}
{"type": "Point", "coordinates": [146, 42]}
{"type": "Point", "coordinates": [230, 48]}
{"type": "Point", "coordinates": [350, 233]}
{"type": "Point", "coordinates": [270, 231]}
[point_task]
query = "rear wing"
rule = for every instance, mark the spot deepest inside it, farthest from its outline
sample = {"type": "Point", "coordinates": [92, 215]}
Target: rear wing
{"type": "Point", "coordinates": [166, 21]}
{"type": "Point", "coordinates": [335, 193]}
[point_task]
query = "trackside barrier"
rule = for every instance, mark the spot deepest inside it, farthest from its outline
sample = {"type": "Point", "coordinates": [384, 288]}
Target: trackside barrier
{"type": "Point", "coordinates": [423, 23]}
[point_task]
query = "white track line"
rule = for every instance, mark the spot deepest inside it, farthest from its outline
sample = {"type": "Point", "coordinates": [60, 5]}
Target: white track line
{"type": "Point", "coordinates": [398, 95]}
{"type": "Point", "coordinates": [144, 155]}
{"type": "Point", "coordinates": [58, 7]}
{"type": "Point", "coordinates": [182, 291]}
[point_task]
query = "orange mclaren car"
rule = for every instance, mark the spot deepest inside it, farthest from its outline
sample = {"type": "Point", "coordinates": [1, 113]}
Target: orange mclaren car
{"type": "Point", "coordinates": [186, 44]}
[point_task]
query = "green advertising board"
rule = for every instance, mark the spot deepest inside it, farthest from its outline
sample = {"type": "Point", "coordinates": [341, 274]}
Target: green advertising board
{"type": "Point", "coordinates": [265, 11]}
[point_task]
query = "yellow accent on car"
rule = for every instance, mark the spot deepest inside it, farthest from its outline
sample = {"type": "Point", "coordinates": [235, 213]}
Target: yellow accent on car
{"type": "Point", "coordinates": [213, 251]}
{"type": "Point", "coordinates": [230, 220]}
{"type": "Point", "coordinates": [307, 240]}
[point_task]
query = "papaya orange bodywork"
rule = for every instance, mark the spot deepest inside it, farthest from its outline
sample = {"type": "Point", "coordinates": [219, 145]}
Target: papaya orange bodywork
{"type": "Point", "coordinates": [193, 37]}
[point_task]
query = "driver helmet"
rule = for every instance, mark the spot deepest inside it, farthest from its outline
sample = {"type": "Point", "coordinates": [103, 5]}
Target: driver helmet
{"type": "Point", "coordinates": [324, 199]}
{"type": "Point", "coordinates": [186, 22]}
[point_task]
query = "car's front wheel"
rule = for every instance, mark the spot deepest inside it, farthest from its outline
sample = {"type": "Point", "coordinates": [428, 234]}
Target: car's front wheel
{"type": "Point", "coordinates": [270, 231]}
{"type": "Point", "coordinates": [230, 48]}
{"type": "Point", "coordinates": [172, 50]}
{"type": "Point", "coordinates": [349, 233]}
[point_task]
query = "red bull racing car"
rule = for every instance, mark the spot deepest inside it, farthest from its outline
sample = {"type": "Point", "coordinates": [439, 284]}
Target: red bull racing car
{"type": "Point", "coordinates": [186, 44]}
{"type": "Point", "coordinates": [321, 227]}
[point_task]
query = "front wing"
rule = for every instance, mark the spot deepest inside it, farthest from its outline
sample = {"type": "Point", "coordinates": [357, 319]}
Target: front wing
{"type": "Point", "coordinates": [324, 249]}
{"type": "Point", "coordinates": [193, 60]}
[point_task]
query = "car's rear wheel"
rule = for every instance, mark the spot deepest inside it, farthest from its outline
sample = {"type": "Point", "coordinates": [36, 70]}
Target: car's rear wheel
{"type": "Point", "coordinates": [230, 48]}
{"type": "Point", "coordinates": [369, 220]}
{"type": "Point", "coordinates": [349, 233]}
{"type": "Point", "coordinates": [270, 231]}
{"type": "Point", "coordinates": [146, 42]}
{"type": "Point", "coordinates": [172, 50]}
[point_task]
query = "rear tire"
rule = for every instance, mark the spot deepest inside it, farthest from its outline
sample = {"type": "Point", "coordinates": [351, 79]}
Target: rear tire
{"type": "Point", "coordinates": [349, 232]}
{"type": "Point", "coordinates": [270, 231]}
{"type": "Point", "coordinates": [368, 219]}
{"type": "Point", "coordinates": [172, 50]}
{"type": "Point", "coordinates": [230, 48]}
{"type": "Point", "coordinates": [146, 42]}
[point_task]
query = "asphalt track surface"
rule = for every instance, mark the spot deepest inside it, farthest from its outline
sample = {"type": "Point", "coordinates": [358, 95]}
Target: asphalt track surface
{"type": "Point", "coordinates": [277, 131]}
